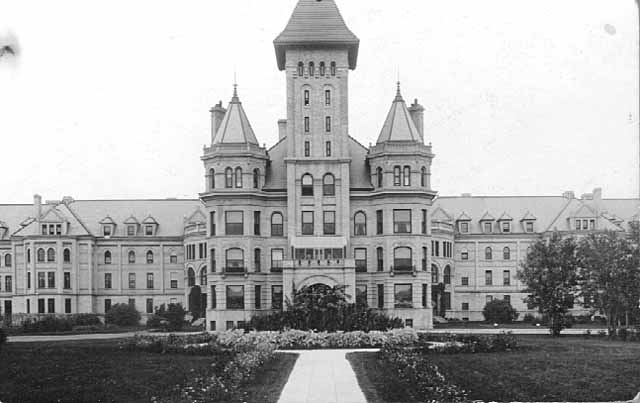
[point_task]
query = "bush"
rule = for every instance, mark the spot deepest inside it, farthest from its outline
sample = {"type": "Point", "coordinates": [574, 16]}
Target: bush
{"type": "Point", "coordinates": [54, 324]}
{"type": "Point", "coordinates": [169, 318]}
{"type": "Point", "coordinates": [467, 343]}
{"type": "Point", "coordinates": [499, 311]}
{"type": "Point", "coordinates": [122, 315]}
{"type": "Point", "coordinates": [3, 338]}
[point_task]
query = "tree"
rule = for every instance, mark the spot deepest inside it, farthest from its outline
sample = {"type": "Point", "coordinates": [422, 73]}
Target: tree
{"type": "Point", "coordinates": [499, 311]}
{"type": "Point", "coordinates": [609, 275]}
{"type": "Point", "coordinates": [168, 318]}
{"type": "Point", "coordinates": [122, 315]}
{"type": "Point", "coordinates": [550, 272]}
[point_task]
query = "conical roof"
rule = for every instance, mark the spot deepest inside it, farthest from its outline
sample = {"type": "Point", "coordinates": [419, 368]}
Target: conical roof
{"type": "Point", "coordinates": [316, 22]}
{"type": "Point", "coordinates": [235, 127]}
{"type": "Point", "coordinates": [399, 126]}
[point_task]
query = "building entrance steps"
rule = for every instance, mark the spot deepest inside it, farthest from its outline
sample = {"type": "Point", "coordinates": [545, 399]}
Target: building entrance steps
{"type": "Point", "coordinates": [323, 376]}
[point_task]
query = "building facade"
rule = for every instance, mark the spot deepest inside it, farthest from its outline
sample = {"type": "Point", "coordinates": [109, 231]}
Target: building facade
{"type": "Point", "coordinates": [316, 209]}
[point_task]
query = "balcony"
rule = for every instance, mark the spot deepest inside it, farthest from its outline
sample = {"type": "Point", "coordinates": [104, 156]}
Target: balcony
{"type": "Point", "coordinates": [403, 269]}
{"type": "Point", "coordinates": [234, 270]}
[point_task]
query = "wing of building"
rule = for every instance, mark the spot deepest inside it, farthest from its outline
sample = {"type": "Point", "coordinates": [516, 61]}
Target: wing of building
{"type": "Point", "coordinates": [315, 209]}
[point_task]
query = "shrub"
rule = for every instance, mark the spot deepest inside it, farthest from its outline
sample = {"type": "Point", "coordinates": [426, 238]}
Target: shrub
{"type": "Point", "coordinates": [122, 315]}
{"type": "Point", "coordinates": [467, 343]}
{"type": "Point", "coordinates": [499, 311]}
{"type": "Point", "coordinates": [54, 324]}
{"type": "Point", "coordinates": [169, 318]}
{"type": "Point", "coordinates": [3, 338]}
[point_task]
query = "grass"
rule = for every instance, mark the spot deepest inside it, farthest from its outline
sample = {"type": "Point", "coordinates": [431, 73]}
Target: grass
{"type": "Point", "coordinates": [544, 369]}
{"type": "Point", "coordinates": [98, 371]}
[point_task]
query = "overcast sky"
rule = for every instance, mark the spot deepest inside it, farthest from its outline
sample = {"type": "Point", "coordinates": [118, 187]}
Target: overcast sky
{"type": "Point", "coordinates": [110, 99]}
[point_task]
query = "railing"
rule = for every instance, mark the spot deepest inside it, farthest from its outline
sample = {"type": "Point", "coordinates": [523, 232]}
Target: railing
{"type": "Point", "coordinates": [319, 262]}
{"type": "Point", "coordinates": [403, 269]}
{"type": "Point", "coordinates": [234, 270]}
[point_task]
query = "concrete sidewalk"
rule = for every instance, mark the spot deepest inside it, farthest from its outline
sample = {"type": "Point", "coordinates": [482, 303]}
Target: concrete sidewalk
{"type": "Point", "coordinates": [322, 376]}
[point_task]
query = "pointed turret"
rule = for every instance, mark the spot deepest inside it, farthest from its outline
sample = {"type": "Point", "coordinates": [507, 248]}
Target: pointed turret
{"type": "Point", "coordinates": [235, 127]}
{"type": "Point", "coordinates": [399, 125]}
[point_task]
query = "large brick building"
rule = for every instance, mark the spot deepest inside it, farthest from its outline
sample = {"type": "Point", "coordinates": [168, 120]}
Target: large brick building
{"type": "Point", "coordinates": [316, 209]}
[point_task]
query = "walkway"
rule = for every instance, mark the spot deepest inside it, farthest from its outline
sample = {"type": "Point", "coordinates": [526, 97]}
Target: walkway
{"type": "Point", "coordinates": [322, 376]}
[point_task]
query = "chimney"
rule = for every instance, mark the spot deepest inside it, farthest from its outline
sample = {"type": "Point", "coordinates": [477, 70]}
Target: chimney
{"type": "Point", "coordinates": [417, 115]}
{"type": "Point", "coordinates": [282, 129]}
{"type": "Point", "coordinates": [217, 114]}
{"type": "Point", "coordinates": [37, 203]}
{"type": "Point", "coordinates": [66, 200]}
{"type": "Point", "coordinates": [569, 194]}
{"type": "Point", "coordinates": [597, 199]}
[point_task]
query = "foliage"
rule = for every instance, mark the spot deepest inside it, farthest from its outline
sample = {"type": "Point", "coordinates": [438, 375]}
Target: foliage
{"type": "Point", "coordinates": [122, 315]}
{"type": "Point", "coordinates": [550, 272]}
{"type": "Point", "coordinates": [499, 311]}
{"type": "Point", "coordinates": [467, 343]}
{"type": "Point", "coordinates": [609, 276]}
{"type": "Point", "coordinates": [53, 323]}
{"type": "Point", "coordinates": [3, 338]}
{"type": "Point", "coordinates": [167, 318]}
{"type": "Point", "coordinates": [324, 310]}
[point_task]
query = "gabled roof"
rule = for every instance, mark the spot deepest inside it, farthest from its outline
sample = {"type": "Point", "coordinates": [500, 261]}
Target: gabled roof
{"type": "Point", "coordinates": [583, 211]}
{"type": "Point", "coordinates": [197, 217]}
{"type": "Point", "coordinates": [131, 220]}
{"type": "Point", "coordinates": [398, 125]}
{"type": "Point", "coordinates": [487, 217]}
{"type": "Point", "coordinates": [150, 220]}
{"type": "Point", "coordinates": [463, 217]}
{"type": "Point", "coordinates": [528, 217]}
{"type": "Point", "coordinates": [316, 22]}
{"type": "Point", "coordinates": [235, 127]}
{"type": "Point", "coordinates": [53, 215]}
{"type": "Point", "coordinates": [505, 217]}
{"type": "Point", "coordinates": [107, 220]}
{"type": "Point", "coordinates": [439, 215]}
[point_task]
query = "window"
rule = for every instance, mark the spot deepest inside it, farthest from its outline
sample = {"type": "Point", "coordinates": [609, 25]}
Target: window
{"type": "Point", "coordinates": [506, 277]}
{"type": "Point", "coordinates": [107, 281]}
{"type": "Point", "coordinates": [464, 227]}
{"type": "Point", "coordinates": [380, 296]}
{"type": "Point", "coordinates": [7, 260]}
{"type": "Point", "coordinates": [425, 288]}
{"type": "Point", "coordinates": [8, 284]}
{"type": "Point", "coordinates": [257, 260]}
{"type": "Point", "coordinates": [191, 277]}
{"type": "Point", "coordinates": [329, 223]}
{"type": "Point", "coordinates": [131, 230]}
{"type": "Point", "coordinates": [435, 275]}
{"type": "Point", "coordinates": [401, 221]}
{"type": "Point", "coordinates": [379, 176]}
{"type": "Point", "coordinates": [333, 68]}
{"type": "Point", "coordinates": [235, 297]}
{"type": "Point", "coordinates": [132, 280]}
{"type": "Point", "coordinates": [489, 298]}
{"type": "Point", "coordinates": [423, 177]}
{"type": "Point", "coordinates": [277, 226]}
{"type": "Point", "coordinates": [29, 280]}
{"type": "Point", "coordinates": [447, 275]}
{"type": "Point", "coordinates": [66, 280]}
{"type": "Point", "coordinates": [256, 178]}
{"type": "Point", "coordinates": [312, 69]}
{"type": "Point", "coordinates": [173, 258]}
{"type": "Point", "coordinates": [397, 180]}
{"type": "Point", "coordinates": [257, 296]}
{"type": "Point", "coordinates": [276, 297]}
{"type": "Point", "coordinates": [328, 185]}
{"type": "Point", "coordinates": [256, 223]}
{"type": "Point", "coordinates": [106, 230]}
{"type": "Point", "coordinates": [424, 258]}
{"type": "Point", "coordinates": [592, 224]}
{"type": "Point", "coordinates": [506, 226]}
{"type": "Point", "coordinates": [277, 260]}
{"type": "Point", "coordinates": [150, 281]}
{"type": "Point", "coordinates": [488, 253]}
{"type": "Point", "coordinates": [322, 68]}
{"type": "Point", "coordinates": [149, 257]}
{"type": "Point", "coordinates": [306, 97]}
{"type": "Point", "coordinates": [507, 298]}
{"type": "Point", "coordinates": [234, 224]}
{"type": "Point", "coordinates": [380, 259]}
{"type": "Point", "coordinates": [40, 305]}
{"type": "Point", "coordinates": [528, 226]}
{"type": "Point", "coordinates": [51, 279]}
{"type": "Point", "coordinates": [212, 179]}
{"type": "Point", "coordinates": [327, 97]}
{"type": "Point", "coordinates": [360, 256]}
{"type": "Point", "coordinates": [214, 297]}
{"type": "Point", "coordinates": [28, 255]}
{"type": "Point", "coordinates": [238, 177]}
{"type": "Point", "coordinates": [307, 148]}
{"type": "Point", "coordinates": [361, 295]}
{"type": "Point", "coordinates": [465, 281]}
{"type": "Point", "coordinates": [406, 176]}
{"type": "Point", "coordinates": [51, 255]}
{"type": "Point", "coordinates": [107, 305]}
{"type": "Point", "coordinates": [307, 223]}
{"type": "Point", "coordinates": [360, 224]}
{"type": "Point", "coordinates": [487, 227]}
{"type": "Point", "coordinates": [300, 69]}
{"type": "Point", "coordinates": [228, 178]}
{"type": "Point", "coordinates": [41, 280]}
{"type": "Point", "coordinates": [44, 229]}
{"type": "Point", "coordinates": [132, 257]}
{"type": "Point", "coordinates": [423, 223]}
{"type": "Point", "coordinates": [212, 222]}
{"type": "Point", "coordinates": [403, 296]}
{"type": "Point", "coordinates": [66, 257]}
{"type": "Point", "coordinates": [307, 185]}
{"type": "Point", "coordinates": [52, 230]}
{"type": "Point", "coordinates": [488, 277]}
{"type": "Point", "coordinates": [464, 255]}
{"type": "Point", "coordinates": [51, 305]}
{"type": "Point", "coordinates": [327, 124]}
{"type": "Point", "coordinates": [149, 305]}
{"type": "Point", "coordinates": [174, 281]}
{"type": "Point", "coordinates": [465, 306]}
{"type": "Point", "coordinates": [506, 253]}
{"type": "Point", "coordinates": [235, 260]}
{"type": "Point", "coordinates": [402, 259]}
{"type": "Point", "coordinates": [306, 124]}
{"type": "Point", "coordinates": [212, 256]}
{"type": "Point", "coordinates": [379, 222]}
{"type": "Point", "coordinates": [67, 305]}
{"type": "Point", "coordinates": [327, 148]}
{"type": "Point", "coordinates": [203, 276]}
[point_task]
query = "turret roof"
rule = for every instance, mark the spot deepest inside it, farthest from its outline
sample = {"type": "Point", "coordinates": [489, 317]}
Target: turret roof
{"type": "Point", "coordinates": [399, 126]}
{"type": "Point", "coordinates": [235, 127]}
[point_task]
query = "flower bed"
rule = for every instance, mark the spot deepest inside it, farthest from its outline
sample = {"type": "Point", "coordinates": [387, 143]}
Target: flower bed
{"type": "Point", "coordinates": [467, 343]}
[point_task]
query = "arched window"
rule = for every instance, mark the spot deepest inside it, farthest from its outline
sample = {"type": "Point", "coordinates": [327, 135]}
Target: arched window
{"type": "Point", "coordinates": [191, 277]}
{"type": "Point", "coordinates": [132, 257]}
{"type": "Point", "coordinates": [307, 185]}
{"type": "Point", "coordinates": [107, 257]}
{"type": "Point", "coordinates": [406, 176]}
{"type": "Point", "coordinates": [66, 256]}
{"type": "Point", "coordinates": [40, 255]}
{"type": "Point", "coordinates": [506, 253]}
{"type": "Point", "coordinates": [306, 98]}
{"type": "Point", "coordinates": [203, 276]}
{"type": "Point", "coordinates": [7, 260]}
{"type": "Point", "coordinates": [238, 177]}
{"type": "Point", "coordinates": [379, 176]}
{"type": "Point", "coordinates": [312, 69]}
{"type": "Point", "coordinates": [149, 257]}
{"type": "Point", "coordinates": [360, 224]}
{"type": "Point", "coordinates": [447, 275]}
{"type": "Point", "coordinates": [322, 68]}
{"type": "Point", "coordinates": [402, 259]}
{"type": "Point", "coordinates": [256, 178]}
{"type": "Point", "coordinates": [212, 179]}
{"type": "Point", "coordinates": [235, 260]}
{"type": "Point", "coordinates": [434, 274]}
{"type": "Point", "coordinates": [277, 226]}
{"type": "Point", "coordinates": [423, 177]}
{"type": "Point", "coordinates": [51, 255]}
{"type": "Point", "coordinates": [333, 68]}
{"type": "Point", "coordinates": [329, 185]}
{"type": "Point", "coordinates": [300, 68]}
{"type": "Point", "coordinates": [488, 253]}
{"type": "Point", "coordinates": [327, 97]}
{"type": "Point", "coordinates": [228, 178]}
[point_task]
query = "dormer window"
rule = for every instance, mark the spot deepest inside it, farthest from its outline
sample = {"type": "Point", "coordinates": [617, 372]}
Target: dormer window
{"type": "Point", "coordinates": [487, 227]}
{"type": "Point", "coordinates": [106, 230]}
{"type": "Point", "coordinates": [148, 230]}
{"type": "Point", "coordinates": [131, 230]}
{"type": "Point", "coordinates": [528, 226]}
{"type": "Point", "coordinates": [150, 226]}
{"type": "Point", "coordinates": [463, 227]}
{"type": "Point", "coordinates": [51, 229]}
{"type": "Point", "coordinates": [506, 227]}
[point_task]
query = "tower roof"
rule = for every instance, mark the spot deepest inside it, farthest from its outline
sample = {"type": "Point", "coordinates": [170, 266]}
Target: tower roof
{"type": "Point", "coordinates": [235, 127]}
{"type": "Point", "coordinates": [399, 126]}
{"type": "Point", "coordinates": [316, 22]}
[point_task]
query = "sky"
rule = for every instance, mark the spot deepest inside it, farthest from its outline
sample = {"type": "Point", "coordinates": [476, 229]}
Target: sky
{"type": "Point", "coordinates": [110, 99]}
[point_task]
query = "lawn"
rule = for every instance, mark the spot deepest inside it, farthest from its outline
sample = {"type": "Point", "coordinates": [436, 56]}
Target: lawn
{"type": "Point", "coordinates": [99, 371]}
{"type": "Point", "coordinates": [544, 369]}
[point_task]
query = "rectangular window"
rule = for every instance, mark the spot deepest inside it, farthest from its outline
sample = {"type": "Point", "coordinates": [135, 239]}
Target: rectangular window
{"type": "Point", "coordinates": [306, 97]}
{"type": "Point", "coordinates": [51, 279]}
{"type": "Point", "coordinates": [488, 277]}
{"type": "Point", "coordinates": [328, 148]}
{"type": "Point", "coordinates": [173, 259]}
{"type": "Point", "coordinates": [106, 230]}
{"type": "Point", "coordinates": [397, 178]}
{"type": "Point", "coordinates": [425, 252]}
{"type": "Point", "coordinates": [464, 255]}
{"type": "Point", "coordinates": [380, 259]}
{"type": "Point", "coordinates": [329, 225]}
{"type": "Point", "coordinates": [276, 297]}
{"type": "Point", "coordinates": [131, 230]}
{"type": "Point", "coordinates": [423, 224]}
{"type": "Point", "coordinates": [578, 225]}
{"type": "Point", "coordinates": [425, 288]}
{"type": "Point", "coordinates": [150, 281]}
{"type": "Point", "coordinates": [306, 124]}
{"type": "Point", "coordinates": [402, 221]}
{"type": "Point", "coordinates": [437, 248]}
{"type": "Point", "coordinates": [360, 256]}
{"type": "Point", "coordinates": [148, 230]}
{"type": "Point", "coordinates": [174, 280]}
{"type": "Point", "coordinates": [52, 230]}
{"type": "Point", "coordinates": [29, 280]}
{"type": "Point", "coordinates": [149, 305]}
{"type": "Point", "coordinates": [465, 306]}
{"type": "Point", "coordinates": [403, 296]}
{"type": "Point", "coordinates": [132, 302]}
{"type": "Point", "coordinates": [235, 297]}
{"type": "Point", "coordinates": [234, 223]}
{"type": "Point", "coordinates": [487, 227]}
{"type": "Point", "coordinates": [212, 223]}
{"type": "Point", "coordinates": [277, 260]}
{"type": "Point", "coordinates": [464, 227]}
{"type": "Point", "coordinates": [8, 284]}
{"type": "Point", "coordinates": [506, 226]}
{"type": "Point", "coordinates": [213, 260]}
{"type": "Point", "coordinates": [67, 280]}
{"type": "Point", "coordinates": [361, 295]}
{"type": "Point", "coordinates": [44, 229]}
{"type": "Point", "coordinates": [51, 305]}
{"type": "Point", "coordinates": [379, 222]}
{"type": "Point", "coordinates": [327, 97]}
{"type": "Point", "coordinates": [380, 296]}
{"type": "Point", "coordinates": [307, 223]}
{"type": "Point", "coordinates": [214, 297]}
{"type": "Point", "coordinates": [307, 149]}
{"type": "Point", "coordinates": [41, 280]}
{"type": "Point", "coordinates": [58, 229]}
{"type": "Point", "coordinates": [506, 277]}
{"type": "Point", "coordinates": [132, 280]}
{"type": "Point", "coordinates": [327, 124]}
{"type": "Point", "coordinates": [465, 280]}
{"type": "Point", "coordinates": [67, 305]}
{"type": "Point", "coordinates": [507, 298]}
{"type": "Point", "coordinates": [257, 297]}
{"type": "Point", "coordinates": [257, 259]}
{"type": "Point", "coordinates": [592, 224]}
{"type": "Point", "coordinates": [41, 305]}
{"type": "Point", "coordinates": [529, 226]}
{"type": "Point", "coordinates": [256, 223]}
{"type": "Point", "coordinates": [200, 252]}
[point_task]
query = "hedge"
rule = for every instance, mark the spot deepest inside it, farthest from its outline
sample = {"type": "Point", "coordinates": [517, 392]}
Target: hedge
{"type": "Point", "coordinates": [3, 338]}
{"type": "Point", "coordinates": [53, 323]}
